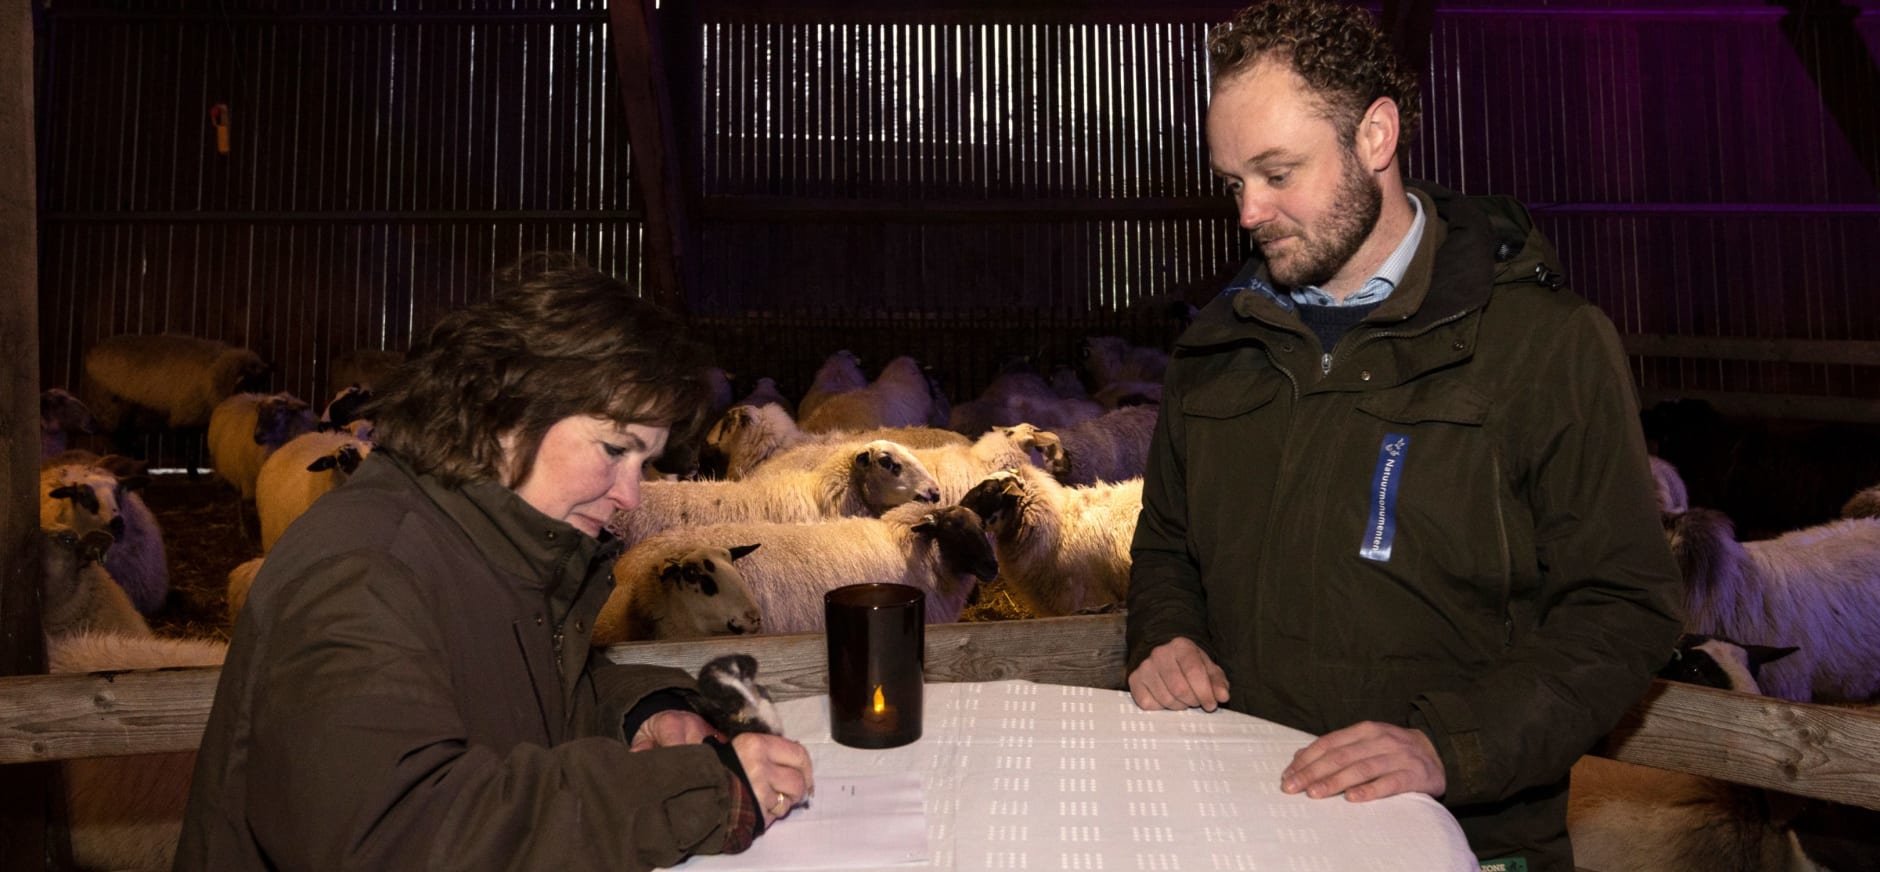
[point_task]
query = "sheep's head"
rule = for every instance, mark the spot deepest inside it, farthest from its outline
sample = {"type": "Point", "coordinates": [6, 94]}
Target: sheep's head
{"type": "Point", "coordinates": [281, 417]}
{"type": "Point", "coordinates": [1046, 450]}
{"type": "Point", "coordinates": [84, 498]}
{"type": "Point", "coordinates": [886, 474]}
{"type": "Point", "coordinates": [345, 408]}
{"type": "Point", "coordinates": [1713, 661]}
{"type": "Point", "coordinates": [841, 370]}
{"type": "Point", "coordinates": [1704, 543]}
{"type": "Point", "coordinates": [343, 461]}
{"type": "Point", "coordinates": [60, 412]}
{"type": "Point", "coordinates": [998, 499]}
{"type": "Point", "coordinates": [706, 595]}
{"type": "Point", "coordinates": [962, 540]}
{"type": "Point", "coordinates": [238, 369]}
{"type": "Point", "coordinates": [1103, 356]}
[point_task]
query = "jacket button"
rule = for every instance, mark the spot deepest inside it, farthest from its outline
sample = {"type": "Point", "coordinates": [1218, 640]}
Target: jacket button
{"type": "Point", "coordinates": [580, 626]}
{"type": "Point", "coordinates": [1364, 376]}
{"type": "Point", "coordinates": [539, 621]}
{"type": "Point", "coordinates": [1458, 345]}
{"type": "Point", "coordinates": [551, 535]}
{"type": "Point", "coordinates": [1285, 346]}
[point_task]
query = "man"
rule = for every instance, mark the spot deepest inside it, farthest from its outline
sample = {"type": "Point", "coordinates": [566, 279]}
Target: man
{"type": "Point", "coordinates": [1397, 495]}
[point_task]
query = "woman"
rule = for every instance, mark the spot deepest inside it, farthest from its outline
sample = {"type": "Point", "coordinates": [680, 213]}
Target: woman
{"type": "Point", "coordinates": [410, 684]}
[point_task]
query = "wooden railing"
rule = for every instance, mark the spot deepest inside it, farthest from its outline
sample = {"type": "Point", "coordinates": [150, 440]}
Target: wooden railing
{"type": "Point", "coordinates": [1816, 751]}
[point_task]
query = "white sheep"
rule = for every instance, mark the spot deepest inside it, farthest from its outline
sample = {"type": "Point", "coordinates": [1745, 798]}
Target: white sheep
{"type": "Point", "coordinates": [1673, 496]}
{"type": "Point", "coordinates": [746, 436]}
{"type": "Point", "coordinates": [127, 812]}
{"type": "Point", "coordinates": [84, 492]}
{"type": "Point", "coordinates": [901, 396]}
{"type": "Point", "coordinates": [942, 551]}
{"type": "Point", "coordinates": [1624, 816]}
{"type": "Point", "coordinates": [1061, 550]}
{"type": "Point", "coordinates": [1819, 586]}
{"type": "Point", "coordinates": [245, 428]}
{"type": "Point", "coordinates": [767, 394]}
{"type": "Point", "coordinates": [1865, 504]}
{"type": "Point", "coordinates": [954, 467]}
{"type": "Point", "coordinates": [300, 472]}
{"type": "Point", "coordinates": [369, 368]}
{"type": "Point", "coordinates": [60, 416]}
{"type": "Point", "coordinates": [1111, 359]}
{"type": "Point", "coordinates": [1112, 448]}
{"type": "Point", "coordinates": [79, 594]}
{"type": "Point", "coordinates": [867, 480]}
{"type": "Point", "coordinates": [685, 593]}
{"type": "Point", "coordinates": [840, 373]}
{"type": "Point", "coordinates": [240, 579]}
{"type": "Point", "coordinates": [1020, 397]}
{"type": "Point", "coordinates": [181, 377]}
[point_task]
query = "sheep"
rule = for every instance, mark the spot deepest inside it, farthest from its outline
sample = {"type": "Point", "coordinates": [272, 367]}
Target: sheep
{"type": "Point", "coordinates": [766, 394]}
{"type": "Point", "coordinates": [85, 492]}
{"type": "Point", "coordinates": [788, 567]}
{"type": "Point", "coordinates": [298, 473]}
{"type": "Point", "coordinates": [1061, 550]}
{"type": "Point", "coordinates": [746, 436]}
{"type": "Point", "coordinates": [1019, 396]}
{"type": "Point", "coordinates": [1673, 497]}
{"type": "Point", "coordinates": [1123, 394]}
{"type": "Point", "coordinates": [867, 480]}
{"type": "Point", "coordinates": [686, 593]}
{"type": "Point", "coordinates": [245, 428]}
{"type": "Point", "coordinates": [955, 467]}
{"type": "Point", "coordinates": [79, 594]}
{"type": "Point", "coordinates": [840, 373]}
{"type": "Point", "coordinates": [181, 377]}
{"type": "Point", "coordinates": [1111, 359]}
{"type": "Point", "coordinates": [900, 397]}
{"type": "Point", "coordinates": [1821, 584]}
{"type": "Point", "coordinates": [126, 812]}
{"type": "Point", "coordinates": [240, 579]}
{"type": "Point", "coordinates": [346, 411]}
{"type": "Point", "coordinates": [1865, 504]}
{"type": "Point", "coordinates": [369, 368]}
{"type": "Point", "coordinates": [1112, 448]}
{"type": "Point", "coordinates": [61, 415]}
{"type": "Point", "coordinates": [1624, 816]}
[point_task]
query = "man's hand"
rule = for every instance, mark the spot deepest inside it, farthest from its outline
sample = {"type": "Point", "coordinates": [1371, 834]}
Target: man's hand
{"type": "Point", "coordinates": [1364, 762]}
{"type": "Point", "coordinates": [670, 728]}
{"type": "Point", "coordinates": [1178, 675]}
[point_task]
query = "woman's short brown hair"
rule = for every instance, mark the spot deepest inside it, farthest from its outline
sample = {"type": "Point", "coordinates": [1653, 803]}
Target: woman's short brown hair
{"type": "Point", "coordinates": [1336, 47]}
{"type": "Point", "coordinates": [559, 339]}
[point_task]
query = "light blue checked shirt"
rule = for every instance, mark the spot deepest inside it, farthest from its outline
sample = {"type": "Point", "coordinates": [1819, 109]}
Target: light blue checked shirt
{"type": "Point", "coordinates": [1389, 273]}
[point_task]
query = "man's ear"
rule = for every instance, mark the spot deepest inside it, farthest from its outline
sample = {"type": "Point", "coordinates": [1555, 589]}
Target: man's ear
{"type": "Point", "coordinates": [1376, 142]}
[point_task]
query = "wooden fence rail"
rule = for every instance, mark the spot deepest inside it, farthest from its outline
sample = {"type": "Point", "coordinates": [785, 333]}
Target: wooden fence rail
{"type": "Point", "coordinates": [1816, 751]}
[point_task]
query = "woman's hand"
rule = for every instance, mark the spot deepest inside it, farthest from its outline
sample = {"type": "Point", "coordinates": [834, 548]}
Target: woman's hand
{"type": "Point", "coordinates": [673, 727]}
{"type": "Point", "coordinates": [778, 769]}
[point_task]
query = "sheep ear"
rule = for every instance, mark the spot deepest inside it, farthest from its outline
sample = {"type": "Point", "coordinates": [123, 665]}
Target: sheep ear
{"type": "Point", "coordinates": [927, 525]}
{"type": "Point", "coordinates": [67, 492]}
{"type": "Point", "coordinates": [738, 551]}
{"type": "Point", "coordinates": [323, 464]}
{"type": "Point", "coordinates": [861, 460]}
{"type": "Point", "coordinates": [672, 573]}
{"type": "Point", "coordinates": [134, 482]}
{"type": "Point", "coordinates": [1763, 654]}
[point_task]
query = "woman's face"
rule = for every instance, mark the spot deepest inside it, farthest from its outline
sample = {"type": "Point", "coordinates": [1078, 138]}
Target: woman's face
{"type": "Point", "coordinates": [588, 468]}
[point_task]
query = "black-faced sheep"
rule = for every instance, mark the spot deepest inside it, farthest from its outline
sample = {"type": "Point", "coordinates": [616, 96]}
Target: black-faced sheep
{"type": "Point", "coordinates": [346, 411]}
{"type": "Point", "coordinates": [688, 592]}
{"type": "Point", "coordinates": [79, 594]}
{"type": "Point", "coordinates": [60, 416]}
{"type": "Point", "coordinates": [1061, 550]}
{"type": "Point", "coordinates": [300, 472]}
{"type": "Point", "coordinates": [245, 428]}
{"type": "Point", "coordinates": [1624, 816]}
{"type": "Point", "coordinates": [84, 492]}
{"type": "Point", "coordinates": [1111, 359]}
{"type": "Point", "coordinates": [943, 551]}
{"type": "Point", "coordinates": [746, 436]}
{"type": "Point", "coordinates": [840, 373]}
{"type": "Point", "coordinates": [1820, 586]}
{"type": "Point", "coordinates": [127, 812]}
{"type": "Point", "coordinates": [955, 468]}
{"type": "Point", "coordinates": [1112, 448]}
{"type": "Point", "coordinates": [181, 377]}
{"type": "Point", "coordinates": [866, 480]}
{"type": "Point", "coordinates": [900, 397]}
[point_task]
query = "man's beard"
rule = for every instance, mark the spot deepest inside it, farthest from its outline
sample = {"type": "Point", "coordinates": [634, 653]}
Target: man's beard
{"type": "Point", "coordinates": [1347, 225]}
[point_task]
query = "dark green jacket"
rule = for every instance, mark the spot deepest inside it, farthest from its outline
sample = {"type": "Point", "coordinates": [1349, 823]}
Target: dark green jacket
{"type": "Point", "coordinates": [1528, 594]}
{"type": "Point", "coordinates": [396, 697]}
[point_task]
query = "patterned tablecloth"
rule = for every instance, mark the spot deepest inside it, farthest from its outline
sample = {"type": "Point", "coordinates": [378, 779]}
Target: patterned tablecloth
{"type": "Point", "coordinates": [1023, 776]}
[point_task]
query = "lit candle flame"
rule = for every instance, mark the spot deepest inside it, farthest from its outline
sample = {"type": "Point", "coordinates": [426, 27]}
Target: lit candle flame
{"type": "Point", "coordinates": [881, 704]}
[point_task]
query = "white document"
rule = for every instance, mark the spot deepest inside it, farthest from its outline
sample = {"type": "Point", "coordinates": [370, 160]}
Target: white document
{"type": "Point", "coordinates": [853, 822]}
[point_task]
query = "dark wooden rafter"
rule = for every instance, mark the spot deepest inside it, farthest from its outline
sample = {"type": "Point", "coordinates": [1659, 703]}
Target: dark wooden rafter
{"type": "Point", "coordinates": [1837, 59]}
{"type": "Point", "coordinates": [655, 56]}
{"type": "Point", "coordinates": [969, 11]}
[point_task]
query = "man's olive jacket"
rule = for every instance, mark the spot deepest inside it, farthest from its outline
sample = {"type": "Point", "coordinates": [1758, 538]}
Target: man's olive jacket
{"type": "Point", "coordinates": [1447, 523]}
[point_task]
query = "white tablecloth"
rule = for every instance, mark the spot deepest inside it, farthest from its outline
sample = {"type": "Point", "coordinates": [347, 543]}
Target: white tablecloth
{"type": "Point", "coordinates": [1023, 776]}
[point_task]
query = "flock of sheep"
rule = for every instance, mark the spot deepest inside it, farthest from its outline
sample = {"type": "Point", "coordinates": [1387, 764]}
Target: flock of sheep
{"type": "Point", "coordinates": [1035, 482]}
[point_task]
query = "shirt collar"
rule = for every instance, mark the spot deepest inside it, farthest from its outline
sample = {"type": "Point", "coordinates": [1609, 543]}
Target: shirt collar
{"type": "Point", "coordinates": [1389, 273]}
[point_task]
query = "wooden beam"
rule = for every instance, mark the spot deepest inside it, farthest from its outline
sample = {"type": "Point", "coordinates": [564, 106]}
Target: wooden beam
{"type": "Point", "coordinates": [659, 176]}
{"type": "Point", "coordinates": [1797, 407]}
{"type": "Point", "coordinates": [969, 11]}
{"type": "Point", "coordinates": [1831, 351]}
{"type": "Point", "coordinates": [1836, 57]}
{"type": "Point", "coordinates": [959, 210]}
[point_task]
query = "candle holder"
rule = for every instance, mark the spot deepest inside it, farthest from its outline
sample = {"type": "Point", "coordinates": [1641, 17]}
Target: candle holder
{"type": "Point", "coordinates": [877, 635]}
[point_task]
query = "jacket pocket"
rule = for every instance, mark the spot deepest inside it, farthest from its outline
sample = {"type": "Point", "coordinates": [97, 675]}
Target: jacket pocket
{"type": "Point", "coordinates": [1425, 404]}
{"type": "Point", "coordinates": [1229, 397]}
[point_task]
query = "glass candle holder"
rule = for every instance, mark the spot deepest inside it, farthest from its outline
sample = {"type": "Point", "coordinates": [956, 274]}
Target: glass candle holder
{"type": "Point", "coordinates": [877, 636]}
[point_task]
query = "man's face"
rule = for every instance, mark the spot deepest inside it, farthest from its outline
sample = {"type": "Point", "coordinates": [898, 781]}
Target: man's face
{"type": "Point", "coordinates": [1305, 197]}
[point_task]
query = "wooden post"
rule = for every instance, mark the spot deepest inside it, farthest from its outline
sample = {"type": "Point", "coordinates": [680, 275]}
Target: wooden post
{"type": "Point", "coordinates": [661, 180]}
{"type": "Point", "coordinates": [25, 791]}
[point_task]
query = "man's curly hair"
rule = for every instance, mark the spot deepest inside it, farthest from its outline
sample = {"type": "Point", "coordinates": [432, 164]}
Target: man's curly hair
{"type": "Point", "coordinates": [1334, 46]}
{"type": "Point", "coordinates": [559, 339]}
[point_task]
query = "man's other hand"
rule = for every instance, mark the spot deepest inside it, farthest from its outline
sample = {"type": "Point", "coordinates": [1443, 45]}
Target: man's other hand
{"type": "Point", "coordinates": [1364, 762]}
{"type": "Point", "coordinates": [1178, 675]}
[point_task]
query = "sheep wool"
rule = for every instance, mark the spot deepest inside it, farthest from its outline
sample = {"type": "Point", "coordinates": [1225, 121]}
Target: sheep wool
{"type": "Point", "coordinates": [1112, 448]}
{"type": "Point", "coordinates": [300, 472]}
{"type": "Point", "coordinates": [1111, 359]}
{"type": "Point", "coordinates": [182, 377]}
{"type": "Point", "coordinates": [1061, 550]}
{"type": "Point", "coordinates": [746, 436]}
{"type": "Point", "coordinates": [670, 590]}
{"type": "Point", "coordinates": [900, 397]}
{"type": "Point", "coordinates": [1865, 504]}
{"type": "Point", "coordinates": [61, 415]}
{"type": "Point", "coordinates": [79, 594]}
{"type": "Point", "coordinates": [245, 428]}
{"type": "Point", "coordinates": [840, 373]}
